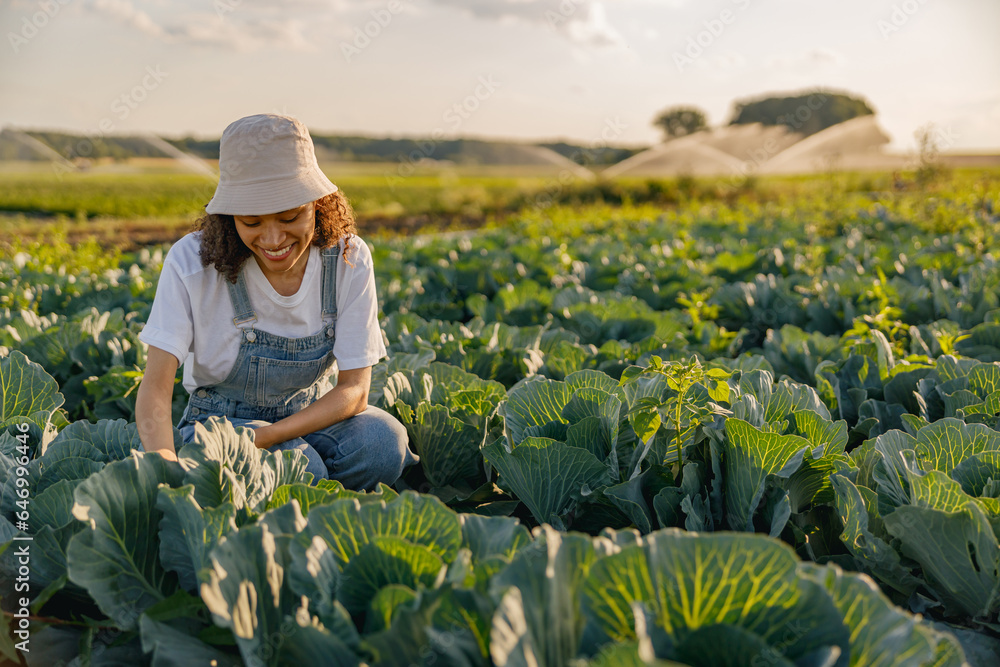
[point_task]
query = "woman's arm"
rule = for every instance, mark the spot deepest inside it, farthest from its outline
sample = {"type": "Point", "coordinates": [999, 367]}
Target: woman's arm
{"type": "Point", "coordinates": [347, 399]}
{"type": "Point", "coordinates": [153, 403]}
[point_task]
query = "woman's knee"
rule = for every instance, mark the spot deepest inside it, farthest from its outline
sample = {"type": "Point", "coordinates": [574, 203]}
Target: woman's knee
{"type": "Point", "coordinates": [315, 465]}
{"type": "Point", "coordinates": [314, 462]}
{"type": "Point", "coordinates": [392, 438]}
{"type": "Point", "coordinates": [365, 449]}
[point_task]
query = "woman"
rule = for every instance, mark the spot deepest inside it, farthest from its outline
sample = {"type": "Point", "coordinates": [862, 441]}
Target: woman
{"type": "Point", "coordinates": [259, 303]}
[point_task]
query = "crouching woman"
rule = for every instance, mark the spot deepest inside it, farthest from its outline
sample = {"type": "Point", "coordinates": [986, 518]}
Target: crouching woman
{"type": "Point", "coordinates": [260, 302]}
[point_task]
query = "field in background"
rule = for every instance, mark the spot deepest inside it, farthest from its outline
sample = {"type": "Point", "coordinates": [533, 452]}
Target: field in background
{"type": "Point", "coordinates": [147, 201]}
{"type": "Point", "coordinates": [700, 364]}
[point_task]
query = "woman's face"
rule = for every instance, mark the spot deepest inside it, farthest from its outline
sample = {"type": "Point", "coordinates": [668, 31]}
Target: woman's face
{"type": "Point", "coordinates": [279, 241]}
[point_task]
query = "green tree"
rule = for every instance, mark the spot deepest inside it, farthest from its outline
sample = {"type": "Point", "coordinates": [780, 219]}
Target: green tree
{"type": "Point", "coordinates": [680, 121]}
{"type": "Point", "coordinates": [807, 112]}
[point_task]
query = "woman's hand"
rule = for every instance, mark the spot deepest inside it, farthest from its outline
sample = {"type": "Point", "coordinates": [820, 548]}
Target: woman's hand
{"type": "Point", "coordinates": [346, 399]}
{"type": "Point", "coordinates": [263, 438]}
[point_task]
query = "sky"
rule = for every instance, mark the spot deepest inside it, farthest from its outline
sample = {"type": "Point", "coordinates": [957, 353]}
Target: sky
{"type": "Point", "coordinates": [585, 71]}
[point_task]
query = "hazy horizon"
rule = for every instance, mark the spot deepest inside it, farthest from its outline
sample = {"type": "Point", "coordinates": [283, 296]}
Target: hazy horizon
{"type": "Point", "coordinates": [580, 71]}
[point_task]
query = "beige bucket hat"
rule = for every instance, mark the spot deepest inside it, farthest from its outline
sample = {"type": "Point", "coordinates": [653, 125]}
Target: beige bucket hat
{"type": "Point", "coordinates": [267, 164]}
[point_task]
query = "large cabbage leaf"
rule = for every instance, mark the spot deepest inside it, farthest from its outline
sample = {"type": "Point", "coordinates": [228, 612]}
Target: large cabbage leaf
{"type": "Point", "coordinates": [227, 467]}
{"type": "Point", "coordinates": [116, 556]}
{"type": "Point", "coordinates": [702, 588]}
{"type": "Point", "coordinates": [188, 533]}
{"type": "Point", "coordinates": [921, 513]}
{"type": "Point", "coordinates": [881, 633]}
{"type": "Point", "coordinates": [749, 456]}
{"type": "Point", "coordinates": [348, 526]}
{"type": "Point", "coordinates": [547, 475]}
{"type": "Point", "coordinates": [248, 591]}
{"type": "Point", "coordinates": [29, 394]}
{"type": "Point", "coordinates": [539, 618]}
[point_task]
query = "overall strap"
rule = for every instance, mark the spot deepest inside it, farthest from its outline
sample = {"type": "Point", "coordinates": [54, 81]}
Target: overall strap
{"type": "Point", "coordinates": [329, 281]}
{"type": "Point", "coordinates": [241, 301]}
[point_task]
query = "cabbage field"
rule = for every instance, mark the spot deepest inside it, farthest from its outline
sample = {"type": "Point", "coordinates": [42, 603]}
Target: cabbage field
{"type": "Point", "coordinates": [709, 435]}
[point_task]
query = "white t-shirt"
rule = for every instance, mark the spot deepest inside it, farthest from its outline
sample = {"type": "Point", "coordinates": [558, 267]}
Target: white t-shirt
{"type": "Point", "coordinates": [192, 313]}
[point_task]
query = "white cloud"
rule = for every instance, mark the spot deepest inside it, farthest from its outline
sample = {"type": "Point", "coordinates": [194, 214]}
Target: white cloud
{"type": "Point", "coordinates": [594, 29]}
{"type": "Point", "coordinates": [125, 13]}
{"type": "Point", "coordinates": [232, 25]}
{"type": "Point", "coordinates": [729, 60]}
{"type": "Point", "coordinates": [826, 56]}
{"type": "Point", "coordinates": [821, 57]}
{"type": "Point", "coordinates": [247, 34]}
{"type": "Point", "coordinates": [580, 21]}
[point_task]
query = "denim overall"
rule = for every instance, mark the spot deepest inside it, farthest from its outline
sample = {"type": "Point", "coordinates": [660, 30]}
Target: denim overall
{"type": "Point", "coordinates": [274, 377]}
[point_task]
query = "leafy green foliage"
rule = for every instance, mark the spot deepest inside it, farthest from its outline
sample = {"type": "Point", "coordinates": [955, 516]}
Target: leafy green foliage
{"type": "Point", "coordinates": [680, 121]}
{"type": "Point", "coordinates": [826, 108]}
{"type": "Point", "coordinates": [917, 513]}
{"type": "Point", "coordinates": [395, 578]}
{"type": "Point", "coordinates": [113, 557]}
{"type": "Point", "coordinates": [837, 389]}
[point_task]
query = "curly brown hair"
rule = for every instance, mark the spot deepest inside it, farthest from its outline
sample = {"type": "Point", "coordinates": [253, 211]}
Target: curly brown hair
{"type": "Point", "coordinates": [222, 247]}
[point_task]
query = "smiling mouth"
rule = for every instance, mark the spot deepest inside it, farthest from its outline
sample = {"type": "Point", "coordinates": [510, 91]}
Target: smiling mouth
{"type": "Point", "coordinates": [280, 253]}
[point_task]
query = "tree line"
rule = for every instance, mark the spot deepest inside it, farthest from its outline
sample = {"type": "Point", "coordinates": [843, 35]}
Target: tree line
{"type": "Point", "coordinates": [806, 112]}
